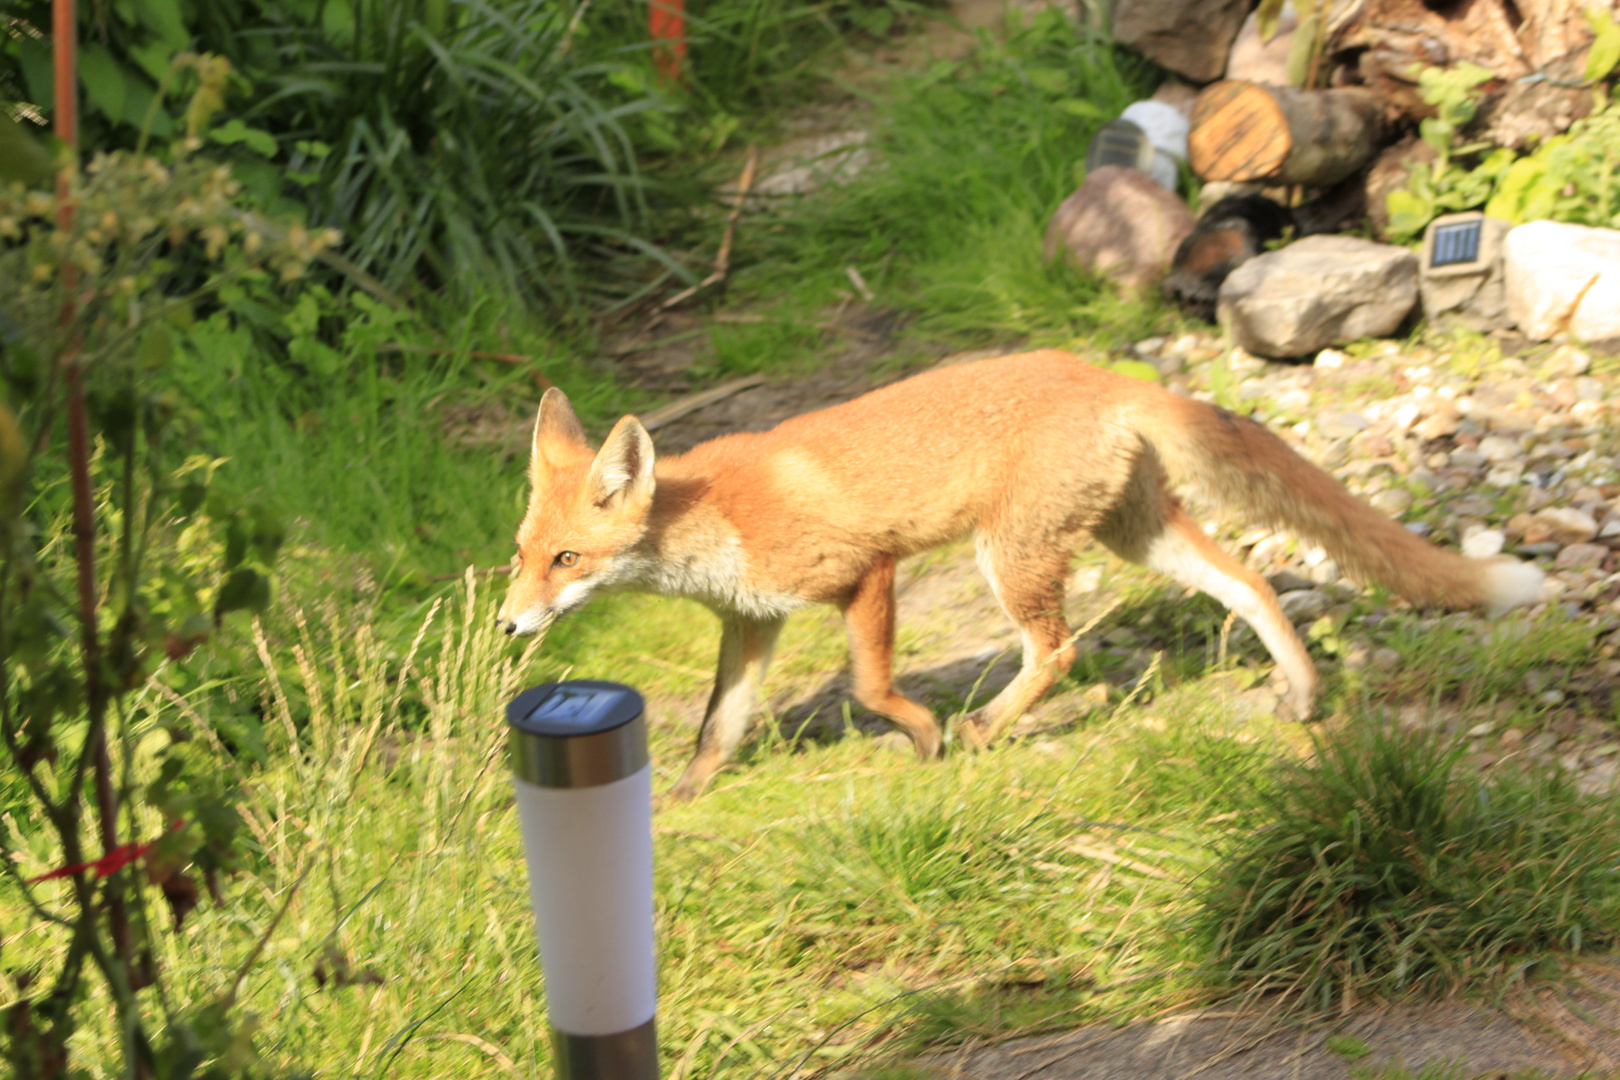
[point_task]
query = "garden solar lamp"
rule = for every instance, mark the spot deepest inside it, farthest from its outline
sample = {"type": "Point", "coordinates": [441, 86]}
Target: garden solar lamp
{"type": "Point", "coordinates": [584, 800]}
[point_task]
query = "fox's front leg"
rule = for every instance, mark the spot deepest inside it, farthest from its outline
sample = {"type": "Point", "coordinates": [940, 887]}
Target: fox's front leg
{"type": "Point", "coordinates": [745, 653]}
{"type": "Point", "coordinates": [869, 617]}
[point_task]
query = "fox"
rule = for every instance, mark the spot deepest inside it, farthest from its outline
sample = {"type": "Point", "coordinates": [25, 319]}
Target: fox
{"type": "Point", "coordinates": [1032, 455]}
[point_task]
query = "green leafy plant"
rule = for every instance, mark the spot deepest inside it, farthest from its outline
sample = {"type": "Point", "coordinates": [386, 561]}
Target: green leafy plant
{"type": "Point", "coordinates": [1441, 187]}
{"type": "Point", "coordinates": [116, 554]}
{"type": "Point", "coordinates": [455, 144]}
{"type": "Point", "coordinates": [1570, 177]}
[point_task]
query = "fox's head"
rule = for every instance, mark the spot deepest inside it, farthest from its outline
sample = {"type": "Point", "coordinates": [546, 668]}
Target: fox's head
{"type": "Point", "coordinates": [586, 511]}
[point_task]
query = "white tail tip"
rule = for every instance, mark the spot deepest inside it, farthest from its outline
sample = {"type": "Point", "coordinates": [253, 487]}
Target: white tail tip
{"type": "Point", "coordinates": [1510, 583]}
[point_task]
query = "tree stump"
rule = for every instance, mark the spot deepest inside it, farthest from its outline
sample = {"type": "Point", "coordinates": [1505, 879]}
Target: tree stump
{"type": "Point", "coordinates": [1280, 135]}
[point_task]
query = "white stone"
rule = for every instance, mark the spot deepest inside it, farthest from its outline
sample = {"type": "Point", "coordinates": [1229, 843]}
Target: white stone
{"type": "Point", "coordinates": [1499, 448]}
{"type": "Point", "coordinates": [1331, 358]}
{"type": "Point", "coordinates": [1483, 543]}
{"type": "Point", "coordinates": [1392, 501]}
{"type": "Point", "coordinates": [1318, 291]}
{"type": "Point", "coordinates": [1504, 475]}
{"type": "Point", "coordinates": [1563, 278]}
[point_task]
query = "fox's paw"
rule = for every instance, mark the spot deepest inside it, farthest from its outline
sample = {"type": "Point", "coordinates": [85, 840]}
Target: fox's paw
{"type": "Point", "coordinates": [975, 731]}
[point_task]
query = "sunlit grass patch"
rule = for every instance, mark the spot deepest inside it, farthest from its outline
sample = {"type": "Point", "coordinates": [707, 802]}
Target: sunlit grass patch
{"type": "Point", "coordinates": [1386, 866]}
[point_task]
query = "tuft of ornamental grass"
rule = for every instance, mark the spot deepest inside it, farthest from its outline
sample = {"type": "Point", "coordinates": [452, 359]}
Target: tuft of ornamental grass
{"type": "Point", "coordinates": [1388, 866]}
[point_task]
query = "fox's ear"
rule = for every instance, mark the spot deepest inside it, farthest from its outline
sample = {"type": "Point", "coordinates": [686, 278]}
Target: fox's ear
{"type": "Point", "coordinates": [623, 469]}
{"type": "Point", "coordinates": [556, 430]}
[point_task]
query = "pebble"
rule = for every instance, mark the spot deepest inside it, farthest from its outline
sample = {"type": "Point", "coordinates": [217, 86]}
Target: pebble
{"type": "Point", "coordinates": [1505, 476]}
{"type": "Point", "coordinates": [1580, 557]}
{"type": "Point", "coordinates": [1341, 425]}
{"type": "Point", "coordinates": [1521, 456]}
{"type": "Point", "coordinates": [1499, 448]}
{"type": "Point", "coordinates": [1480, 543]}
{"type": "Point", "coordinates": [1305, 605]}
{"type": "Point", "coordinates": [1392, 501]}
{"type": "Point", "coordinates": [1562, 525]}
{"type": "Point", "coordinates": [1285, 581]}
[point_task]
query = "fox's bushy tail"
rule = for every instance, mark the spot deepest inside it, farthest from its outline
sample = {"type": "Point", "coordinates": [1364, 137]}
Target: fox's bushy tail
{"type": "Point", "coordinates": [1241, 464]}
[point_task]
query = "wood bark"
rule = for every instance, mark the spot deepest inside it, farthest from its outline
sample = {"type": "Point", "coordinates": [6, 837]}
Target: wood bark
{"type": "Point", "coordinates": [1382, 44]}
{"type": "Point", "coordinates": [1280, 135]}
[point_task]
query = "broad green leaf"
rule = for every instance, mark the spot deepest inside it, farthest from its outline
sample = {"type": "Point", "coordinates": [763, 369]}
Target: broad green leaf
{"type": "Point", "coordinates": [1605, 52]}
{"type": "Point", "coordinates": [1408, 214]}
{"type": "Point", "coordinates": [1266, 17]}
{"type": "Point", "coordinates": [13, 462]}
{"type": "Point", "coordinates": [245, 589]}
{"type": "Point", "coordinates": [1301, 48]}
{"type": "Point", "coordinates": [157, 346]}
{"type": "Point", "coordinates": [1081, 108]}
{"type": "Point", "coordinates": [164, 18]}
{"type": "Point", "coordinates": [22, 158]}
{"type": "Point", "coordinates": [234, 131]}
{"type": "Point", "coordinates": [103, 80]}
{"type": "Point", "coordinates": [1137, 369]}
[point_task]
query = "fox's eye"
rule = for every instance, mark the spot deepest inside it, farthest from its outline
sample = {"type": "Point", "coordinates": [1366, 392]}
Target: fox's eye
{"type": "Point", "coordinates": [567, 558]}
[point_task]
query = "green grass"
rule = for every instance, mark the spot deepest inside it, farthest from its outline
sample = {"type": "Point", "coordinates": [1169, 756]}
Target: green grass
{"type": "Point", "coordinates": [1387, 866]}
{"type": "Point", "coordinates": [833, 904]}
{"type": "Point", "coordinates": [970, 160]}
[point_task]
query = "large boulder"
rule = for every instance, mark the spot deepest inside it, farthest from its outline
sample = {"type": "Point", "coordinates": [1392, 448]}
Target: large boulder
{"type": "Point", "coordinates": [1321, 291]}
{"type": "Point", "coordinates": [1121, 225]}
{"type": "Point", "coordinates": [1563, 278]}
{"type": "Point", "coordinates": [1190, 37]}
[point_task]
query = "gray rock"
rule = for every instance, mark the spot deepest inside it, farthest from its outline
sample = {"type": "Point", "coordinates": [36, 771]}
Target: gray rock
{"type": "Point", "coordinates": [1121, 225]}
{"type": "Point", "coordinates": [1563, 525]}
{"type": "Point", "coordinates": [1321, 290]}
{"type": "Point", "coordinates": [1392, 501]}
{"type": "Point", "coordinates": [1305, 605]}
{"type": "Point", "coordinates": [1341, 425]}
{"type": "Point", "coordinates": [1580, 557]}
{"type": "Point", "coordinates": [1563, 278]}
{"type": "Point", "coordinates": [1191, 39]}
{"type": "Point", "coordinates": [1500, 448]}
{"type": "Point", "coordinates": [1254, 59]}
{"type": "Point", "coordinates": [1285, 581]}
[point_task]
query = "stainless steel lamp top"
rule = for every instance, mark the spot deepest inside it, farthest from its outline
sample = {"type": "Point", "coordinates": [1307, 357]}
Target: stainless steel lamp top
{"type": "Point", "coordinates": [577, 734]}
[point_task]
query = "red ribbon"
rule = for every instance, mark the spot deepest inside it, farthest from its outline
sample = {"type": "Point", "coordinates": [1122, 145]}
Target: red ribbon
{"type": "Point", "coordinates": [110, 863]}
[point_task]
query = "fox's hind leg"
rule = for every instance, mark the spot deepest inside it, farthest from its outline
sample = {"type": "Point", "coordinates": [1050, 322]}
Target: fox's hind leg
{"type": "Point", "coordinates": [1148, 526]}
{"type": "Point", "coordinates": [1028, 579]}
{"type": "Point", "coordinates": [745, 654]}
{"type": "Point", "coordinates": [869, 617]}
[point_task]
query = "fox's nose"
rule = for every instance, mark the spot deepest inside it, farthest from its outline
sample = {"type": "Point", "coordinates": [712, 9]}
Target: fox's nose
{"type": "Point", "coordinates": [511, 627]}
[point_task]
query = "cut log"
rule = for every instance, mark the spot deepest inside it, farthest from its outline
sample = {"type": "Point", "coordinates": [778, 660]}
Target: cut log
{"type": "Point", "coordinates": [1280, 135]}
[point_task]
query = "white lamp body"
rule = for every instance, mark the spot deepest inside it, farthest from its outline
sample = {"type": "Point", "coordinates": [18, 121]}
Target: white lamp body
{"type": "Point", "coordinates": [583, 783]}
{"type": "Point", "coordinates": [589, 852]}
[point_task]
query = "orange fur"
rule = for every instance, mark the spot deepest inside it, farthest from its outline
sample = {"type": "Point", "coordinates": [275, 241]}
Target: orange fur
{"type": "Point", "coordinates": [1031, 454]}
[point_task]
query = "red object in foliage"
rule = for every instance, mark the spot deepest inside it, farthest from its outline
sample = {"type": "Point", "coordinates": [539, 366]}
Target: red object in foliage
{"type": "Point", "coordinates": [110, 863]}
{"type": "Point", "coordinates": [666, 25]}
